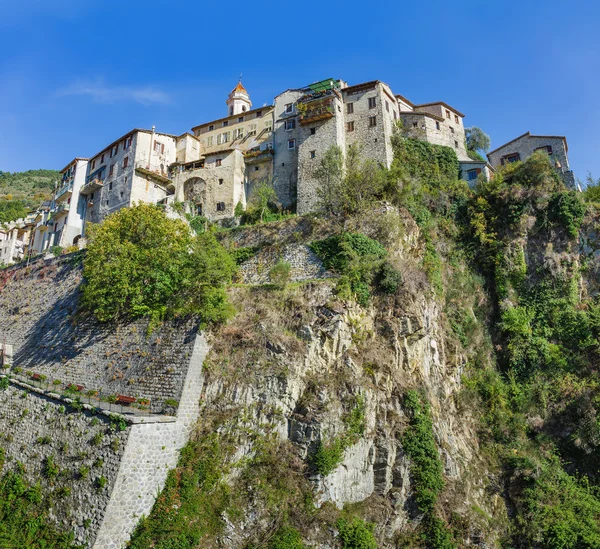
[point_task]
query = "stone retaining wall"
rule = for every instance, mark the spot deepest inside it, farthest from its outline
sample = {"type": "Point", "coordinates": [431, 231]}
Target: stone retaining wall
{"type": "Point", "coordinates": [39, 317]}
{"type": "Point", "coordinates": [83, 447]}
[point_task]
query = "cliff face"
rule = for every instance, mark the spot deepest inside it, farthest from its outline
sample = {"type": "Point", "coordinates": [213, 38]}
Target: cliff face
{"type": "Point", "coordinates": [297, 369]}
{"type": "Point", "coordinates": [304, 420]}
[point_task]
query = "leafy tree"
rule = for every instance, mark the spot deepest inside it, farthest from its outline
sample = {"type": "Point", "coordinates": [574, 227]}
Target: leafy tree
{"type": "Point", "coordinates": [477, 139]}
{"type": "Point", "coordinates": [262, 195]}
{"type": "Point", "coordinates": [141, 263]}
{"type": "Point", "coordinates": [347, 185]}
{"type": "Point", "coordinates": [592, 189]}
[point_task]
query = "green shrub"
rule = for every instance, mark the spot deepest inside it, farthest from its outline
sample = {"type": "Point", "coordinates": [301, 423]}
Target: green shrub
{"type": "Point", "coordinates": [101, 483]}
{"type": "Point", "coordinates": [389, 279]}
{"type": "Point", "coordinates": [328, 456]}
{"type": "Point", "coordinates": [286, 538]}
{"type": "Point", "coordinates": [56, 250]}
{"type": "Point", "coordinates": [357, 258]}
{"type": "Point", "coordinates": [51, 469]}
{"type": "Point", "coordinates": [356, 534]}
{"type": "Point", "coordinates": [141, 263]}
{"type": "Point", "coordinates": [241, 255]}
{"type": "Point", "coordinates": [567, 209]}
{"type": "Point", "coordinates": [4, 383]}
{"type": "Point", "coordinates": [280, 273]}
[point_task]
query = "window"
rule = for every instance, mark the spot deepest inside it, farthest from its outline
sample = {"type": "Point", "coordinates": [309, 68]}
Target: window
{"type": "Point", "coordinates": [289, 108]}
{"type": "Point", "coordinates": [219, 139]}
{"type": "Point", "coordinates": [545, 148]}
{"type": "Point", "coordinates": [110, 186]}
{"type": "Point", "coordinates": [252, 130]}
{"type": "Point", "coordinates": [471, 175]}
{"type": "Point", "coordinates": [220, 181]}
{"type": "Point", "coordinates": [159, 147]}
{"type": "Point", "coordinates": [313, 154]}
{"type": "Point", "coordinates": [415, 124]}
{"type": "Point", "coordinates": [211, 128]}
{"type": "Point", "coordinates": [241, 119]}
{"type": "Point", "coordinates": [269, 125]}
{"type": "Point", "coordinates": [93, 164]}
{"type": "Point", "coordinates": [92, 196]}
{"type": "Point", "coordinates": [125, 162]}
{"type": "Point", "coordinates": [256, 168]}
{"type": "Point", "coordinates": [437, 125]}
{"type": "Point", "coordinates": [217, 162]}
{"type": "Point", "coordinates": [349, 126]}
{"type": "Point", "coordinates": [349, 108]}
{"type": "Point", "coordinates": [456, 118]}
{"type": "Point", "coordinates": [113, 151]}
{"type": "Point", "coordinates": [387, 106]}
{"type": "Point", "coordinates": [121, 193]}
{"type": "Point", "coordinates": [243, 108]}
{"type": "Point", "coordinates": [258, 114]}
{"type": "Point", "coordinates": [447, 113]}
{"type": "Point", "coordinates": [372, 102]}
{"type": "Point", "coordinates": [127, 143]}
{"type": "Point", "coordinates": [395, 115]}
{"type": "Point", "coordinates": [102, 159]}
{"type": "Point", "coordinates": [226, 137]}
{"type": "Point", "coordinates": [111, 169]}
{"type": "Point", "coordinates": [451, 129]}
{"type": "Point", "coordinates": [372, 121]}
{"type": "Point", "coordinates": [239, 133]}
{"type": "Point", "coordinates": [313, 131]}
{"type": "Point", "coordinates": [510, 158]}
{"type": "Point", "coordinates": [290, 125]}
{"type": "Point", "coordinates": [220, 206]}
{"type": "Point", "coordinates": [209, 141]}
{"type": "Point", "coordinates": [456, 144]}
{"type": "Point", "coordinates": [291, 144]}
{"type": "Point", "coordinates": [230, 111]}
{"type": "Point", "coordinates": [226, 123]}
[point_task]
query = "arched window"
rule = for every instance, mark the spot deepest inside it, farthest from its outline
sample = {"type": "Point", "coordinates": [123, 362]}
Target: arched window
{"type": "Point", "coordinates": [230, 111]}
{"type": "Point", "coordinates": [243, 108]}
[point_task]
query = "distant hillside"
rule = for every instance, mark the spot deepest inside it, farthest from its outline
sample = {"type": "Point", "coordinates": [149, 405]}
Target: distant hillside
{"type": "Point", "coordinates": [21, 191]}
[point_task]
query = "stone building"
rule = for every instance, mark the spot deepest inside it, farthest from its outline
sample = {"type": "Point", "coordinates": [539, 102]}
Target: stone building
{"type": "Point", "coordinates": [522, 147]}
{"type": "Point", "coordinates": [132, 169]}
{"type": "Point", "coordinates": [215, 168]}
{"type": "Point", "coordinates": [233, 154]}
{"type": "Point", "coordinates": [65, 224]}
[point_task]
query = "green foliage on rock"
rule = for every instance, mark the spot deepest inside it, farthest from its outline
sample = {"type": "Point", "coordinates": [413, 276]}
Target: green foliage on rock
{"type": "Point", "coordinates": [356, 534]}
{"type": "Point", "coordinates": [141, 263]}
{"type": "Point", "coordinates": [426, 469]}
{"type": "Point", "coordinates": [360, 262]}
{"type": "Point", "coordinates": [280, 273]}
{"type": "Point", "coordinates": [25, 520]}
{"type": "Point", "coordinates": [22, 191]}
{"type": "Point", "coordinates": [192, 504]}
{"type": "Point", "coordinates": [287, 537]}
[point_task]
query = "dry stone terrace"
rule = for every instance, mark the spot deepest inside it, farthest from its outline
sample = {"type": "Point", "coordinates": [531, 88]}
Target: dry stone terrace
{"type": "Point", "coordinates": [40, 319]}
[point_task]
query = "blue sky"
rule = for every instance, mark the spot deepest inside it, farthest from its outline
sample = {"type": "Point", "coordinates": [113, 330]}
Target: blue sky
{"type": "Point", "coordinates": [77, 74]}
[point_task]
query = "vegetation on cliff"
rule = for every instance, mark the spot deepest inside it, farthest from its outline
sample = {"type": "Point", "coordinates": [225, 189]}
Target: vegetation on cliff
{"type": "Point", "coordinates": [141, 263]}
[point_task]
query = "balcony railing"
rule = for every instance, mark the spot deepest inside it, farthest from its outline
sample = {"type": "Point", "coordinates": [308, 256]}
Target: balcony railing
{"type": "Point", "coordinates": [91, 186]}
{"type": "Point", "coordinates": [68, 188]}
{"type": "Point", "coordinates": [158, 172]}
{"type": "Point", "coordinates": [61, 209]}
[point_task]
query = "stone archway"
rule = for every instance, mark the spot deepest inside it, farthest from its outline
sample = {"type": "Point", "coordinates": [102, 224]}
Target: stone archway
{"type": "Point", "coordinates": [194, 193]}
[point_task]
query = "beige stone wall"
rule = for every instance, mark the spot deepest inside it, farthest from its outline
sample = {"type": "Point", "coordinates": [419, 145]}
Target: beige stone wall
{"type": "Point", "coordinates": [189, 149]}
{"type": "Point", "coordinates": [213, 184]}
{"type": "Point", "coordinates": [244, 131]}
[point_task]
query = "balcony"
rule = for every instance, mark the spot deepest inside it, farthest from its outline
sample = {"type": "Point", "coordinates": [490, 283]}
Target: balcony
{"type": "Point", "coordinates": [316, 109]}
{"type": "Point", "coordinates": [61, 209]}
{"type": "Point", "coordinates": [155, 172]}
{"type": "Point", "coordinates": [65, 191]}
{"type": "Point", "coordinates": [91, 186]}
{"type": "Point", "coordinates": [256, 156]}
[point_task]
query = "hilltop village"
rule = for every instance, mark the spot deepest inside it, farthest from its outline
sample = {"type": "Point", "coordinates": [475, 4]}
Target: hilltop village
{"type": "Point", "coordinates": [213, 169]}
